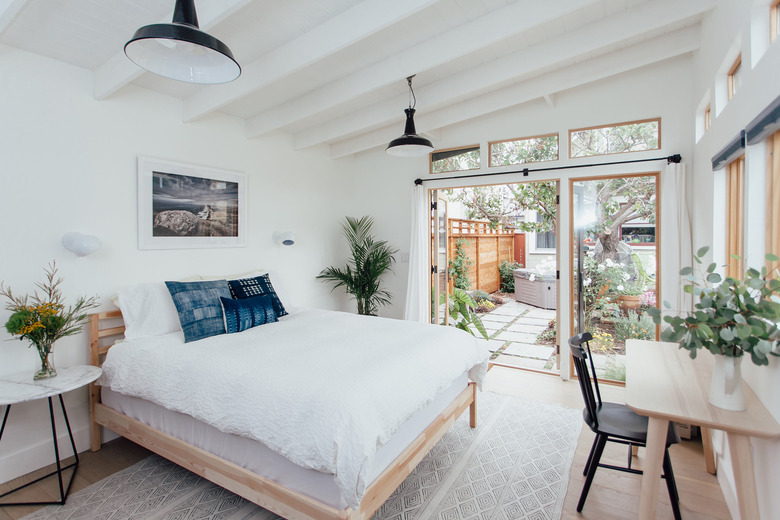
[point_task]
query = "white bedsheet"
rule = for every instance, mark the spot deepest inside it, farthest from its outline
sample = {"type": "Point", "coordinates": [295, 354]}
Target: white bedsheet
{"type": "Point", "coordinates": [324, 389]}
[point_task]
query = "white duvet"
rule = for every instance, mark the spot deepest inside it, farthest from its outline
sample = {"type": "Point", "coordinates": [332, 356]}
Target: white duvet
{"type": "Point", "coordinates": [325, 389]}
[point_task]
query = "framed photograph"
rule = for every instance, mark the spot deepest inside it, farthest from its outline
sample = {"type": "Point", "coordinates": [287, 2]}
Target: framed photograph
{"type": "Point", "coordinates": [184, 206]}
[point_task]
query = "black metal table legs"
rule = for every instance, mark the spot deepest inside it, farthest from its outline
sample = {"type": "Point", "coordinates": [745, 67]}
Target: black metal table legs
{"type": "Point", "coordinates": [63, 488]}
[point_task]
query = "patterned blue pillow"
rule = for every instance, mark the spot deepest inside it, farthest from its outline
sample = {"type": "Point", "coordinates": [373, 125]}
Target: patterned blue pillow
{"type": "Point", "coordinates": [258, 286]}
{"type": "Point", "coordinates": [247, 313]}
{"type": "Point", "coordinates": [200, 311]}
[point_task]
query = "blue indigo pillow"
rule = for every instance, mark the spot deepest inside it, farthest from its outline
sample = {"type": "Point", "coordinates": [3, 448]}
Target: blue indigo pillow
{"type": "Point", "coordinates": [247, 313]}
{"type": "Point", "coordinates": [258, 286]}
{"type": "Point", "coordinates": [199, 308]}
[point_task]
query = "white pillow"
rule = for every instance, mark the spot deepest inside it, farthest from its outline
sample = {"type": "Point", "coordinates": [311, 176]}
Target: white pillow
{"type": "Point", "coordinates": [148, 310]}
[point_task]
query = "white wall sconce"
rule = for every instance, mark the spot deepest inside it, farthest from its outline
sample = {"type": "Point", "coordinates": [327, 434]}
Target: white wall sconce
{"type": "Point", "coordinates": [284, 238]}
{"type": "Point", "coordinates": [80, 244]}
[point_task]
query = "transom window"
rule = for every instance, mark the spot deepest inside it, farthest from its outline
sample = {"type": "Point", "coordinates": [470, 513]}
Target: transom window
{"type": "Point", "coordinates": [456, 159]}
{"type": "Point", "coordinates": [735, 77]}
{"type": "Point", "coordinates": [524, 150]}
{"type": "Point", "coordinates": [774, 20]}
{"type": "Point", "coordinates": [636, 136]}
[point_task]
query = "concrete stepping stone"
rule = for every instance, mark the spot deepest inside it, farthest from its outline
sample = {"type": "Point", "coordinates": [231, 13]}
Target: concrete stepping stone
{"type": "Point", "coordinates": [547, 314]}
{"type": "Point", "coordinates": [525, 320]}
{"type": "Point", "coordinates": [528, 329]}
{"type": "Point", "coordinates": [530, 351]}
{"type": "Point", "coordinates": [497, 318]}
{"type": "Point", "coordinates": [520, 362]}
{"type": "Point", "coordinates": [516, 336]}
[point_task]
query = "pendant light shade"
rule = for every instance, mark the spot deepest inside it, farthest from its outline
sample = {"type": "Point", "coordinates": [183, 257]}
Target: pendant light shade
{"type": "Point", "coordinates": [181, 51]}
{"type": "Point", "coordinates": [410, 144]}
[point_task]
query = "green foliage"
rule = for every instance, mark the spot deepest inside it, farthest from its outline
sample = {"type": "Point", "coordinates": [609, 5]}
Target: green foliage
{"type": "Point", "coordinates": [505, 204]}
{"type": "Point", "coordinates": [634, 325]}
{"type": "Point", "coordinates": [615, 139]}
{"type": "Point", "coordinates": [462, 313]}
{"type": "Point", "coordinates": [548, 335]}
{"type": "Point", "coordinates": [44, 318]}
{"type": "Point", "coordinates": [459, 266]}
{"type": "Point", "coordinates": [468, 160]}
{"type": "Point", "coordinates": [480, 295]}
{"type": "Point", "coordinates": [731, 317]}
{"type": "Point", "coordinates": [535, 149]}
{"type": "Point", "coordinates": [370, 260]}
{"type": "Point", "coordinates": [505, 270]}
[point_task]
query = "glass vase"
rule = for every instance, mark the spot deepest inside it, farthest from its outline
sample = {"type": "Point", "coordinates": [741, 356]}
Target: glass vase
{"type": "Point", "coordinates": [47, 363]}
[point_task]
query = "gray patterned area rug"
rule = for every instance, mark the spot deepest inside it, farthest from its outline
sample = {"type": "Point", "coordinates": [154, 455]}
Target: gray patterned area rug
{"type": "Point", "coordinates": [514, 465]}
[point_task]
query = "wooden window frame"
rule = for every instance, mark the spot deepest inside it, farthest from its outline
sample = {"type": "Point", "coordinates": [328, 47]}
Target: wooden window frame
{"type": "Point", "coordinates": [625, 123]}
{"type": "Point", "coordinates": [774, 24]}
{"type": "Point", "coordinates": [772, 197]}
{"type": "Point", "coordinates": [430, 159]}
{"type": "Point", "coordinates": [708, 115]}
{"type": "Point", "coordinates": [737, 66]}
{"type": "Point", "coordinates": [735, 217]}
{"type": "Point", "coordinates": [491, 143]}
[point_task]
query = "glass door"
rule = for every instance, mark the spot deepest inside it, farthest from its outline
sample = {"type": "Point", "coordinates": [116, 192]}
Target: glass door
{"type": "Point", "coordinates": [439, 259]}
{"type": "Point", "coordinates": [614, 254]}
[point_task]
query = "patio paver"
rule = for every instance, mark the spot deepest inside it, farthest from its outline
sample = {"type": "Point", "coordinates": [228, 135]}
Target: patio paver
{"type": "Point", "coordinates": [531, 351]}
{"type": "Point", "coordinates": [525, 320]}
{"type": "Point", "coordinates": [497, 318]}
{"type": "Point", "coordinates": [528, 329]}
{"type": "Point", "coordinates": [516, 336]}
{"type": "Point", "coordinates": [521, 362]}
{"type": "Point", "coordinates": [547, 314]}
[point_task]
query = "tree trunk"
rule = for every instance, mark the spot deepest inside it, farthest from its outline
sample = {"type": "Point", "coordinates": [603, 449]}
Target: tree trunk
{"type": "Point", "coordinates": [609, 243]}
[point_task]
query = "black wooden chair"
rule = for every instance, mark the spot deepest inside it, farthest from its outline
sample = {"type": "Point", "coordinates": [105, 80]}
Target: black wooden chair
{"type": "Point", "coordinates": [613, 422]}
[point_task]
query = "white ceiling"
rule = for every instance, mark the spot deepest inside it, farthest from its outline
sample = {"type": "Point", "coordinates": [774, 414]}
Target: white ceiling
{"type": "Point", "coordinates": [333, 71]}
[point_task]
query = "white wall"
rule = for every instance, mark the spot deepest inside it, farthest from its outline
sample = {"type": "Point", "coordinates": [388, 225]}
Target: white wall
{"type": "Point", "coordinates": [739, 26]}
{"type": "Point", "coordinates": [69, 164]}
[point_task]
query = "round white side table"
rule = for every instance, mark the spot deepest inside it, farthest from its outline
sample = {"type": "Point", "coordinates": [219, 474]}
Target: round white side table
{"type": "Point", "coordinates": [20, 388]}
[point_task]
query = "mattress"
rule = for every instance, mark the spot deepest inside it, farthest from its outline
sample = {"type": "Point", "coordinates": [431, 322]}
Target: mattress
{"type": "Point", "coordinates": [258, 458]}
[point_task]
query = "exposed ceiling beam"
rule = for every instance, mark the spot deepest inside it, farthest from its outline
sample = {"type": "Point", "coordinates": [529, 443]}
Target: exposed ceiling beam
{"type": "Point", "coordinates": [641, 55]}
{"type": "Point", "coordinates": [597, 37]}
{"type": "Point", "coordinates": [119, 71]}
{"type": "Point", "coordinates": [443, 48]}
{"type": "Point", "coordinates": [341, 31]}
{"type": "Point", "coordinates": [9, 9]}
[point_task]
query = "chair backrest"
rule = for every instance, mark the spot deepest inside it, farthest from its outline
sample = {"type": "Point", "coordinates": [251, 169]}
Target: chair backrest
{"type": "Point", "coordinates": [585, 376]}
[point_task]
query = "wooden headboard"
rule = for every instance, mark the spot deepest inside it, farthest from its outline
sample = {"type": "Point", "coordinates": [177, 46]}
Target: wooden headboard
{"type": "Point", "coordinates": [105, 328]}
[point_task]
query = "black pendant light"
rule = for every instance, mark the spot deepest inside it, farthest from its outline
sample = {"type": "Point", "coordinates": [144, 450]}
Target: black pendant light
{"type": "Point", "coordinates": [410, 144]}
{"type": "Point", "coordinates": [181, 51]}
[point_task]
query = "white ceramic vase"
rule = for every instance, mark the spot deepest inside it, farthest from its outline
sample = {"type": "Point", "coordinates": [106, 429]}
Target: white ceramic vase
{"type": "Point", "coordinates": [726, 386]}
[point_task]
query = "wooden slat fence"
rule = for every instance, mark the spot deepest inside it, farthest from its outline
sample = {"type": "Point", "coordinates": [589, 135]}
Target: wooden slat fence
{"type": "Point", "coordinates": [485, 247]}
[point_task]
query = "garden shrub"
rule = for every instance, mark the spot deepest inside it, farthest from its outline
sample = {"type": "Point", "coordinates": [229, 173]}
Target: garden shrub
{"type": "Point", "coordinates": [480, 295]}
{"type": "Point", "coordinates": [505, 269]}
{"type": "Point", "coordinates": [459, 266]}
{"type": "Point", "coordinates": [632, 325]}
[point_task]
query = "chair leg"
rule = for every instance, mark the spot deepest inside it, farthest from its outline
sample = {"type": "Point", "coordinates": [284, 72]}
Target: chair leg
{"type": "Point", "coordinates": [671, 486]}
{"type": "Point", "coordinates": [598, 449]}
{"type": "Point", "coordinates": [590, 456]}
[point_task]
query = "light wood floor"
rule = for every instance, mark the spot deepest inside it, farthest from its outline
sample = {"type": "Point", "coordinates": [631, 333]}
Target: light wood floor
{"type": "Point", "coordinates": [613, 496]}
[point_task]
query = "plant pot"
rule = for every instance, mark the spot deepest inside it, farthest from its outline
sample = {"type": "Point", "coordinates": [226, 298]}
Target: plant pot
{"type": "Point", "coordinates": [629, 302]}
{"type": "Point", "coordinates": [726, 386]}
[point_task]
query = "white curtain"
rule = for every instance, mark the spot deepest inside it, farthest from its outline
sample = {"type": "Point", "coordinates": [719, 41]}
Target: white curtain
{"type": "Point", "coordinates": [416, 302]}
{"type": "Point", "coordinates": [676, 247]}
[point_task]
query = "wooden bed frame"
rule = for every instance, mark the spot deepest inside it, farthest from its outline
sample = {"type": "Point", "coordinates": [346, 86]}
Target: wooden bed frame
{"type": "Point", "coordinates": [293, 505]}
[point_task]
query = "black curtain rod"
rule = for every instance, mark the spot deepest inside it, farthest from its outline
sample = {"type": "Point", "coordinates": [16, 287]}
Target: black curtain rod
{"type": "Point", "coordinates": [676, 158]}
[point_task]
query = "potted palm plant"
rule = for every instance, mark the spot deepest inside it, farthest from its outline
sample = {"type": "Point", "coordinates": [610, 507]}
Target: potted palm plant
{"type": "Point", "coordinates": [369, 261]}
{"type": "Point", "coordinates": [731, 318]}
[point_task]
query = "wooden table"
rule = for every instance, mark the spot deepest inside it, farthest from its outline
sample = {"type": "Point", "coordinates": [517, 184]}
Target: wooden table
{"type": "Point", "coordinates": [665, 384]}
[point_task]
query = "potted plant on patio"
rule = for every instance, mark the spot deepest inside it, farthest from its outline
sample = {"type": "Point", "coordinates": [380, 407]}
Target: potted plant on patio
{"type": "Point", "coordinates": [731, 318]}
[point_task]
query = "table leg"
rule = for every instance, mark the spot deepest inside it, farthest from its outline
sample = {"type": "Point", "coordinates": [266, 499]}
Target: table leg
{"type": "Point", "coordinates": [651, 479]}
{"type": "Point", "coordinates": [744, 477]}
{"type": "Point", "coordinates": [709, 454]}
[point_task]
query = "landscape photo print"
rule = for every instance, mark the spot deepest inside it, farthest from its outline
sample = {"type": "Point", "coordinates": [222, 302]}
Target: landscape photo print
{"type": "Point", "coordinates": [188, 206]}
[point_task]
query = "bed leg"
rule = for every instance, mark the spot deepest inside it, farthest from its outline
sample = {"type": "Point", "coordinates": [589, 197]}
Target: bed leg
{"type": "Point", "coordinates": [473, 407]}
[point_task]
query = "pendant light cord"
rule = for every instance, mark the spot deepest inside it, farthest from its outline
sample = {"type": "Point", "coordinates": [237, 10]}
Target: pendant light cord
{"type": "Point", "coordinates": [411, 92]}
